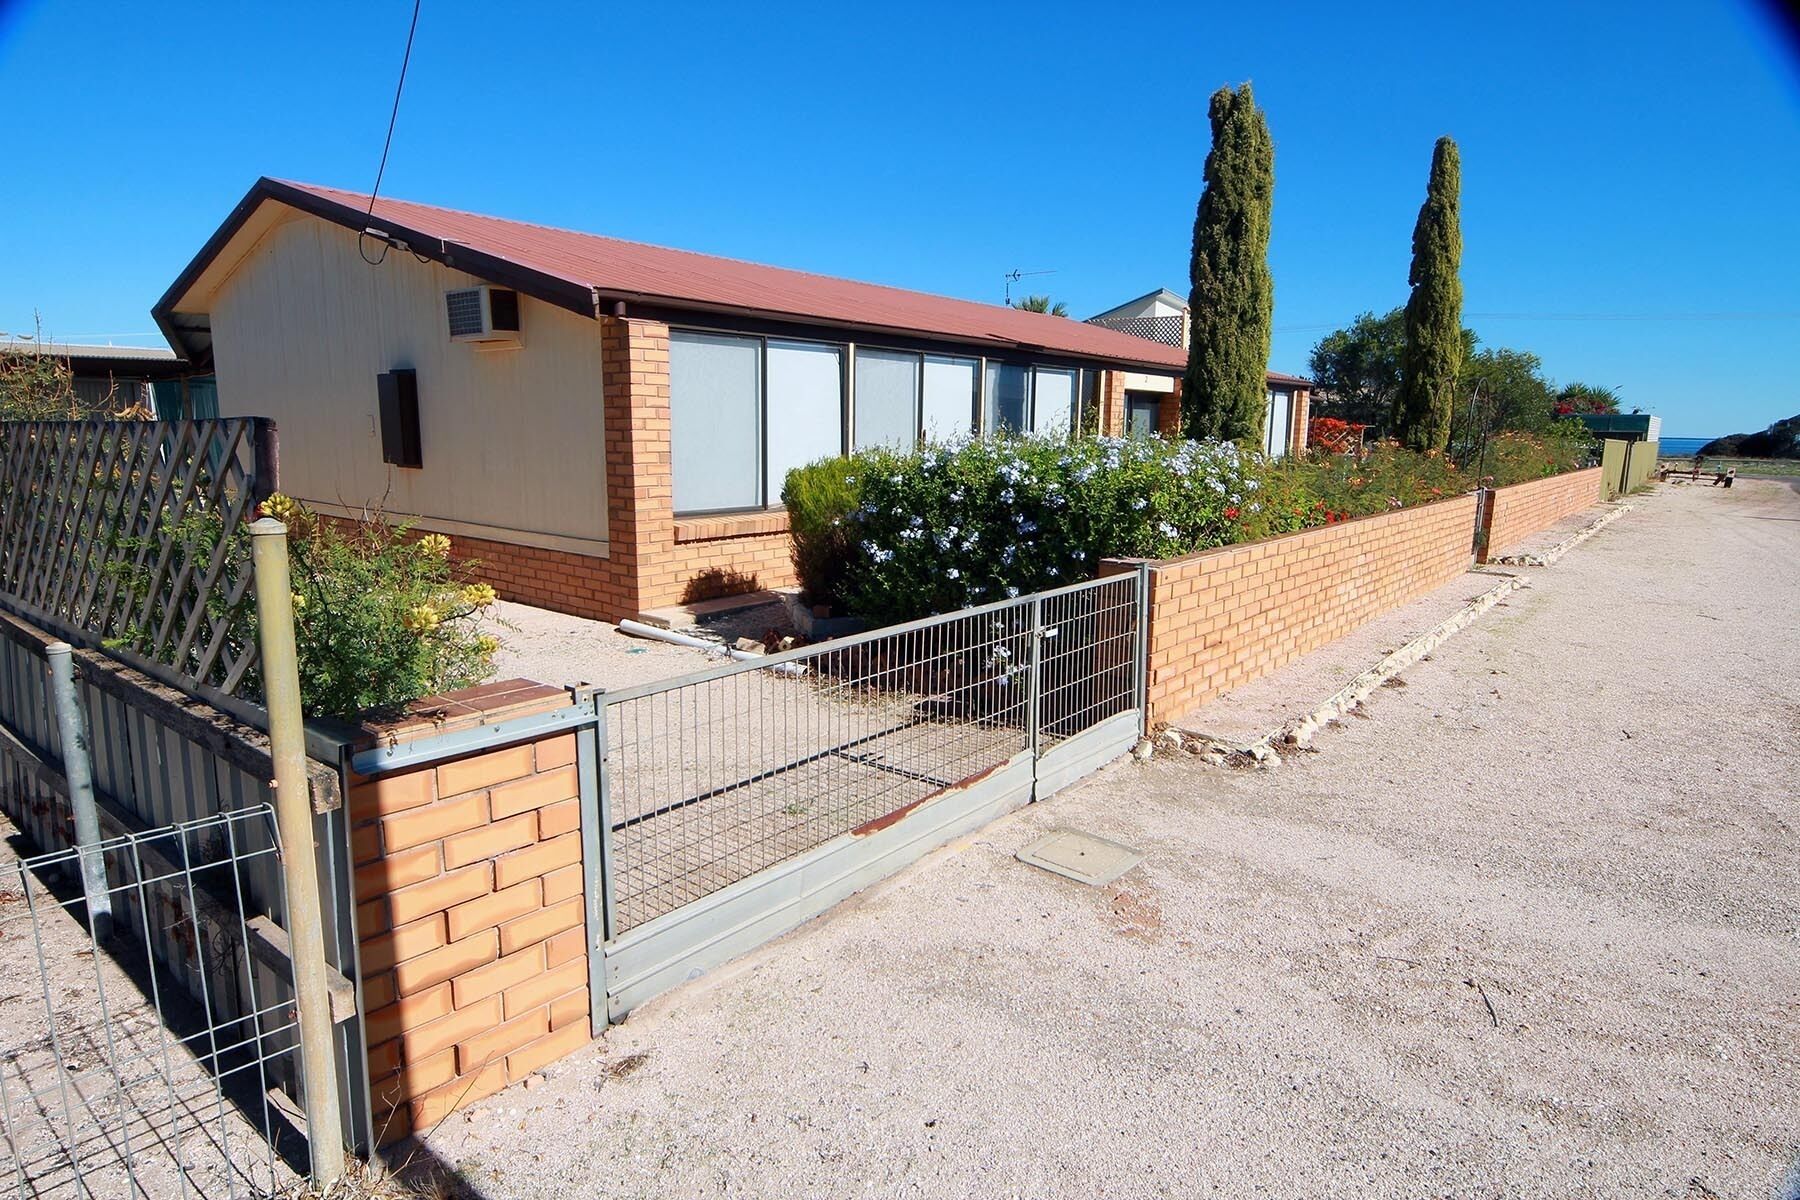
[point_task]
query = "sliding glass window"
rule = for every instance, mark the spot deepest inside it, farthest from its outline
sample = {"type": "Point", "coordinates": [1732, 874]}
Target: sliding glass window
{"type": "Point", "coordinates": [1008, 401]}
{"type": "Point", "coordinates": [1276, 419]}
{"type": "Point", "coordinates": [715, 421]}
{"type": "Point", "coordinates": [886, 400]}
{"type": "Point", "coordinates": [951, 391]}
{"type": "Point", "coordinates": [1052, 402]}
{"type": "Point", "coordinates": [806, 408]}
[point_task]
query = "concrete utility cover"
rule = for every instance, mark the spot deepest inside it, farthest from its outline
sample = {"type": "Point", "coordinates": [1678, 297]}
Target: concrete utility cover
{"type": "Point", "coordinates": [1081, 856]}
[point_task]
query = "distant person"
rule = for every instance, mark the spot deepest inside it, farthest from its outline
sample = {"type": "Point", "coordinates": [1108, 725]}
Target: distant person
{"type": "Point", "coordinates": [1730, 476]}
{"type": "Point", "coordinates": [1698, 459]}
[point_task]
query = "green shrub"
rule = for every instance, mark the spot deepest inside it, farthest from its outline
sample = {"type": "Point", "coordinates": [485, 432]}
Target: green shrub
{"type": "Point", "coordinates": [896, 536]}
{"type": "Point", "coordinates": [819, 500]}
{"type": "Point", "coordinates": [947, 528]}
{"type": "Point", "coordinates": [1518, 457]}
{"type": "Point", "coordinates": [381, 617]}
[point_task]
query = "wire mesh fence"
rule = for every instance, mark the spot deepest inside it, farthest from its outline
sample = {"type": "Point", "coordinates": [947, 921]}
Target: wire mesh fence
{"type": "Point", "coordinates": [124, 534]}
{"type": "Point", "coordinates": [140, 1036]}
{"type": "Point", "coordinates": [715, 777]}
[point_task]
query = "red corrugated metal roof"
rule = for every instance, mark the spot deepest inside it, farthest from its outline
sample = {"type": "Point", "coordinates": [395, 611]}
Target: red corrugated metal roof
{"type": "Point", "coordinates": [677, 277]}
{"type": "Point", "coordinates": [634, 271]}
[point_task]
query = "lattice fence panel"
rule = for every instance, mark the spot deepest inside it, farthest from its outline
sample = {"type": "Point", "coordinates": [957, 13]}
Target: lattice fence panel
{"type": "Point", "coordinates": [1164, 329]}
{"type": "Point", "coordinates": [129, 535]}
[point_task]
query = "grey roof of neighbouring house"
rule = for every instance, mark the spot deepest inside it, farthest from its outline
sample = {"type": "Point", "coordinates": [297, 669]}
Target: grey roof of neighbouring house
{"type": "Point", "coordinates": [13, 345]}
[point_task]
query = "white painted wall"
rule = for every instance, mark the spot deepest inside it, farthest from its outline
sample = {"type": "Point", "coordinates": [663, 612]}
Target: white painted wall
{"type": "Point", "coordinates": [512, 439]}
{"type": "Point", "coordinates": [1138, 382]}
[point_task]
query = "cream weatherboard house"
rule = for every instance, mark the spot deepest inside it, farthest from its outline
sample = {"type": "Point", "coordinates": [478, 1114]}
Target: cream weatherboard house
{"type": "Point", "coordinates": [605, 425]}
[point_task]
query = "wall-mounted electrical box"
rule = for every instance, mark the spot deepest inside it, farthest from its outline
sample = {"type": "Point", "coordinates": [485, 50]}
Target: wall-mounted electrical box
{"type": "Point", "coordinates": [399, 393]}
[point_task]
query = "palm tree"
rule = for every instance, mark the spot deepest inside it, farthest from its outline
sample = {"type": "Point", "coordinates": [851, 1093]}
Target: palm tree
{"type": "Point", "coordinates": [1042, 304]}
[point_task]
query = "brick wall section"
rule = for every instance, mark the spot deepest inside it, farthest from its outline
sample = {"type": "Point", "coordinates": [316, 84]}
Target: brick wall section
{"type": "Point", "coordinates": [1224, 617]}
{"type": "Point", "coordinates": [1112, 404]}
{"type": "Point", "coordinates": [470, 913]}
{"type": "Point", "coordinates": [1168, 413]}
{"type": "Point", "coordinates": [1302, 420]}
{"type": "Point", "coordinates": [1527, 508]}
{"type": "Point", "coordinates": [559, 579]}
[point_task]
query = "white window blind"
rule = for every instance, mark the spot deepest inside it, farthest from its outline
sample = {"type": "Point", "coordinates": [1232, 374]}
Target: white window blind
{"type": "Point", "coordinates": [949, 397]}
{"type": "Point", "coordinates": [715, 421]}
{"type": "Point", "coordinates": [806, 408]}
{"type": "Point", "coordinates": [887, 399]}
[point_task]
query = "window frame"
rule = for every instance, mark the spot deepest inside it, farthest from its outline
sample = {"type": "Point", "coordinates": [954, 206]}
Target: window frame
{"type": "Point", "coordinates": [764, 333]}
{"type": "Point", "coordinates": [762, 424]}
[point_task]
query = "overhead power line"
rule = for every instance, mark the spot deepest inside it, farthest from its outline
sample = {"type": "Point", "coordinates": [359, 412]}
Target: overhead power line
{"type": "Point", "coordinates": [388, 142]}
{"type": "Point", "coordinates": [1667, 318]}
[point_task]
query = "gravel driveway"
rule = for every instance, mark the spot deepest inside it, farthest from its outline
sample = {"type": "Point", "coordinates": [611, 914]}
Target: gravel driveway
{"type": "Point", "coordinates": [1527, 930]}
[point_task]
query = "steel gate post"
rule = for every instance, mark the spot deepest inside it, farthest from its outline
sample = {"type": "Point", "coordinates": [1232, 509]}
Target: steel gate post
{"type": "Point", "coordinates": [299, 851]}
{"type": "Point", "coordinates": [1140, 684]}
{"type": "Point", "coordinates": [78, 770]}
{"type": "Point", "coordinates": [596, 855]}
{"type": "Point", "coordinates": [1034, 688]}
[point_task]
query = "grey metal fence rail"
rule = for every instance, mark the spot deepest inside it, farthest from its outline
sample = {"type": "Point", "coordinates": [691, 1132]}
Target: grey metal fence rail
{"type": "Point", "coordinates": [117, 1077]}
{"type": "Point", "coordinates": [125, 535]}
{"type": "Point", "coordinates": [716, 776]}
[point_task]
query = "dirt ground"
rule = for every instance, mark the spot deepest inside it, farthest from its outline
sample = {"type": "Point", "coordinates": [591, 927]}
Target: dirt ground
{"type": "Point", "coordinates": [1529, 929]}
{"type": "Point", "coordinates": [563, 651]}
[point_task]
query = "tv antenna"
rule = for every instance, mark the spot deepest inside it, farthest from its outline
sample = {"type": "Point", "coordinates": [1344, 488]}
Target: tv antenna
{"type": "Point", "coordinates": [1014, 276]}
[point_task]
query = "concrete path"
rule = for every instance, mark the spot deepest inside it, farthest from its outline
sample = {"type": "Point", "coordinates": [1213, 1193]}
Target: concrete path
{"type": "Point", "coordinates": [1529, 929]}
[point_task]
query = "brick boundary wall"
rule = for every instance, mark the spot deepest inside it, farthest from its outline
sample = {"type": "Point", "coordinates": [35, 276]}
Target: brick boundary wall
{"type": "Point", "coordinates": [1221, 618]}
{"type": "Point", "coordinates": [1522, 509]}
{"type": "Point", "coordinates": [470, 912]}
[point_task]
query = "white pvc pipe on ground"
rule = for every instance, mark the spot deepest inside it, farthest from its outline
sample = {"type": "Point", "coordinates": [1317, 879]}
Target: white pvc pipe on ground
{"type": "Point", "coordinates": [639, 629]}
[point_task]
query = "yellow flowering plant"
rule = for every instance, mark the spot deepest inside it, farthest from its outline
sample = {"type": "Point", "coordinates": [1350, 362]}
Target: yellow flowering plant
{"type": "Point", "coordinates": [382, 615]}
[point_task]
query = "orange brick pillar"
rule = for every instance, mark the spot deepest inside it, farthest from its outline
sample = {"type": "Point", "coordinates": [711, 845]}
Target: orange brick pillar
{"type": "Point", "coordinates": [640, 496]}
{"type": "Point", "coordinates": [1112, 404]}
{"type": "Point", "coordinates": [1297, 432]}
{"type": "Point", "coordinates": [1168, 413]}
{"type": "Point", "coordinates": [470, 914]}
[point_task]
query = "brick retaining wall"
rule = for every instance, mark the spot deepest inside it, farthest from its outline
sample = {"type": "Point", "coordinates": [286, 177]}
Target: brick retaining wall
{"type": "Point", "coordinates": [1518, 511]}
{"type": "Point", "coordinates": [1224, 617]}
{"type": "Point", "coordinates": [470, 913]}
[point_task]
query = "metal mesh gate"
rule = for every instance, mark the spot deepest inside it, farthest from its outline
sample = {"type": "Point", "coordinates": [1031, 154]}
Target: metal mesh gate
{"type": "Point", "coordinates": [712, 778]}
{"type": "Point", "coordinates": [141, 1064]}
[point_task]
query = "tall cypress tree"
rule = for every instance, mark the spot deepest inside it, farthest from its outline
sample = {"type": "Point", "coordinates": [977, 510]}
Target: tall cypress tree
{"type": "Point", "coordinates": [1225, 391]}
{"type": "Point", "coordinates": [1432, 355]}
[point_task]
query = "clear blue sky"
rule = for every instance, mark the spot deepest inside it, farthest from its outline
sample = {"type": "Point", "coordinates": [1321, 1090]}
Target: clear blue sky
{"type": "Point", "coordinates": [1619, 160]}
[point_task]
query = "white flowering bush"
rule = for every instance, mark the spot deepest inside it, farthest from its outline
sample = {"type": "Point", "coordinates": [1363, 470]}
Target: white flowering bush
{"type": "Point", "coordinates": [950, 527]}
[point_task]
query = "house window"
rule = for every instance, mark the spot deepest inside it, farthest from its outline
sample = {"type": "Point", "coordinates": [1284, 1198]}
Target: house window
{"type": "Point", "coordinates": [806, 409]}
{"type": "Point", "coordinates": [1052, 402]}
{"type": "Point", "coordinates": [744, 411]}
{"type": "Point", "coordinates": [1008, 398]}
{"type": "Point", "coordinates": [1277, 420]}
{"type": "Point", "coordinates": [887, 400]}
{"type": "Point", "coordinates": [952, 389]}
{"type": "Point", "coordinates": [1143, 413]}
{"type": "Point", "coordinates": [715, 421]}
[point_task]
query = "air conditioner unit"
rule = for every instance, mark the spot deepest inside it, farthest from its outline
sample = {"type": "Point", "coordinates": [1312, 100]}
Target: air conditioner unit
{"type": "Point", "coordinates": [486, 316]}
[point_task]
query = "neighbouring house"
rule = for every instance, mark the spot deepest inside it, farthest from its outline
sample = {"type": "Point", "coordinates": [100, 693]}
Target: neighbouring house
{"type": "Point", "coordinates": [120, 378]}
{"type": "Point", "coordinates": [604, 425]}
{"type": "Point", "coordinates": [1162, 316]}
